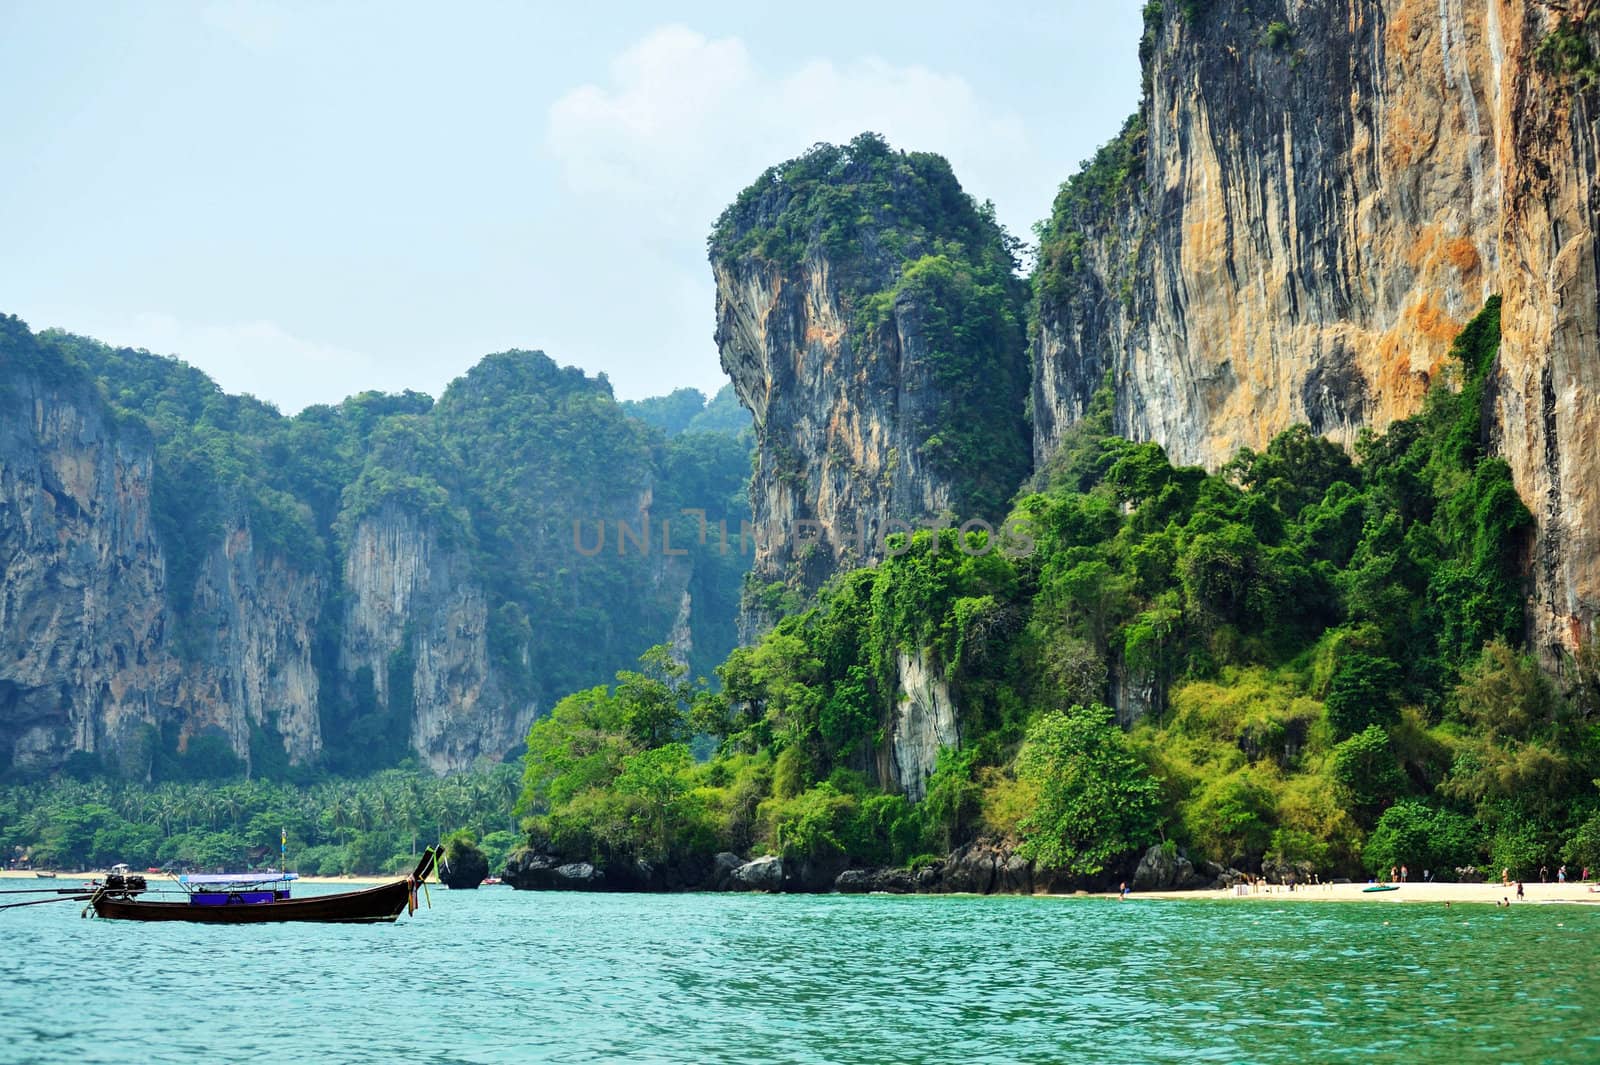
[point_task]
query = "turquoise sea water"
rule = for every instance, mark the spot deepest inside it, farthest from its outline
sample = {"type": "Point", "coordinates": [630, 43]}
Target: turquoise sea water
{"type": "Point", "coordinates": [502, 976]}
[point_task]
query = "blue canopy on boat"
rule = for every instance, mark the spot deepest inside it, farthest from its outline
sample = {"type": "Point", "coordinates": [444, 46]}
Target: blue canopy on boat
{"type": "Point", "coordinates": [237, 878]}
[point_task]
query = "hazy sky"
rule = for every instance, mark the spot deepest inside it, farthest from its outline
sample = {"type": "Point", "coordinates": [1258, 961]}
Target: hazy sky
{"type": "Point", "coordinates": [310, 200]}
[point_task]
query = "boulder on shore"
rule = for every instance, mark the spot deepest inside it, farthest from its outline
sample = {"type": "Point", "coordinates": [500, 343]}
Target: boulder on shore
{"type": "Point", "coordinates": [1162, 868]}
{"type": "Point", "coordinates": [763, 874]}
{"type": "Point", "coordinates": [578, 876]}
{"type": "Point", "coordinates": [1169, 869]}
{"type": "Point", "coordinates": [531, 870]}
{"type": "Point", "coordinates": [971, 869]}
{"type": "Point", "coordinates": [1281, 872]}
{"type": "Point", "coordinates": [722, 870]}
{"type": "Point", "coordinates": [866, 881]}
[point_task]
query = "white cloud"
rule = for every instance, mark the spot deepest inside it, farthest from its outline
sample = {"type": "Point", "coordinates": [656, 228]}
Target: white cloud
{"type": "Point", "coordinates": [259, 357]}
{"type": "Point", "coordinates": [686, 121]}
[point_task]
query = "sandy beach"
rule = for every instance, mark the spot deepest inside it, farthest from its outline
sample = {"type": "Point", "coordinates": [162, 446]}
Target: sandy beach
{"type": "Point", "coordinates": [1412, 892]}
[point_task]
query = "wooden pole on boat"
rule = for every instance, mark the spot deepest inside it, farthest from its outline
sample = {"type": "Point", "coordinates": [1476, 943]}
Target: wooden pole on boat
{"type": "Point", "coordinates": [41, 902]}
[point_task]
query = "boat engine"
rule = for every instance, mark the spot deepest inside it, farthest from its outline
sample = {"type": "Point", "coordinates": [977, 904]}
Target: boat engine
{"type": "Point", "coordinates": [122, 881]}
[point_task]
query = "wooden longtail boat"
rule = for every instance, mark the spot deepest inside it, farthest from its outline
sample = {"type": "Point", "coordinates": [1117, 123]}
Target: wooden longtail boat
{"type": "Point", "coordinates": [245, 899]}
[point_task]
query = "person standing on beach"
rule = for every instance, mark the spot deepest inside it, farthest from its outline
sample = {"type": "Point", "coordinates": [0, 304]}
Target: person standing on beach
{"type": "Point", "coordinates": [1505, 877]}
{"type": "Point", "coordinates": [1519, 891]}
{"type": "Point", "coordinates": [1561, 875]}
{"type": "Point", "coordinates": [1405, 874]}
{"type": "Point", "coordinates": [1544, 874]}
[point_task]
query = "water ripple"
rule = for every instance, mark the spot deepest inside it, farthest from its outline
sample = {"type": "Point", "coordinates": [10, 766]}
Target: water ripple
{"type": "Point", "coordinates": [497, 976]}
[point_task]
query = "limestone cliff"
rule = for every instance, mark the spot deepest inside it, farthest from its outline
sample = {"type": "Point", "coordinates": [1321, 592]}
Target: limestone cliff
{"type": "Point", "coordinates": [82, 622]}
{"type": "Point", "coordinates": [924, 722]}
{"type": "Point", "coordinates": [417, 602]}
{"type": "Point", "coordinates": [352, 585]}
{"type": "Point", "coordinates": [95, 660]}
{"type": "Point", "coordinates": [840, 279]}
{"type": "Point", "coordinates": [1312, 200]}
{"type": "Point", "coordinates": [834, 420]}
{"type": "Point", "coordinates": [253, 619]}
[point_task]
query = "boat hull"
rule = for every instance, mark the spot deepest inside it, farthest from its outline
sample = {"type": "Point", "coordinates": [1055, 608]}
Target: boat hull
{"type": "Point", "coordinates": [376, 905]}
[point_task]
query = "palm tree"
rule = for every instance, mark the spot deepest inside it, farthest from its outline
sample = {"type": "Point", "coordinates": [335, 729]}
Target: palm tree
{"type": "Point", "coordinates": [410, 823]}
{"type": "Point", "coordinates": [231, 804]}
{"type": "Point", "coordinates": [338, 815]}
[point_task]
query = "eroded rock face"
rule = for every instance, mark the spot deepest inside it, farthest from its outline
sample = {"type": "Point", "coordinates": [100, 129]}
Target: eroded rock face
{"type": "Point", "coordinates": [100, 663]}
{"type": "Point", "coordinates": [82, 593]}
{"type": "Point", "coordinates": [835, 417]}
{"type": "Point", "coordinates": [839, 277]}
{"type": "Point", "coordinates": [925, 721]}
{"type": "Point", "coordinates": [103, 662]}
{"type": "Point", "coordinates": [1548, 377]}
{"type": "Point", "coordinates": [129, 623]}
{"type": "Point", "coordinates": [255, 619]}
{"type": "Point", "coordinates": [1329, 192]}
{"type": "Point", "coordinates": [408, 592]}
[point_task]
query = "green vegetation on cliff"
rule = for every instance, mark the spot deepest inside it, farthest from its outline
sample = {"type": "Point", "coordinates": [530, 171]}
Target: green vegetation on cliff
{"type": "Point", "coordinates": [866, 207]}
{"type": "Point", "coordinates": [1571, 51]}
{"type": "Point", "coordinates": [1319, 649]}
{"type": "Point", "coordinates": [517, 466]}
{"type": "Point", "coordinates": [1085, 206]}
{"type": "Point", "coordinates": [920, 270]}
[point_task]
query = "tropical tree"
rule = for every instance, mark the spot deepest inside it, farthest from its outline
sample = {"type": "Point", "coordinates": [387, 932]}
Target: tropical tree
{"type": "Point", "coordinates": [1097, 801]}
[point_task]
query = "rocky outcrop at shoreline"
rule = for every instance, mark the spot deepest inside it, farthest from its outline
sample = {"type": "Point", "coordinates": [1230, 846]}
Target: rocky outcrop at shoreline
{"type": "Point", "coordinates": [464, 868]}
{"type": "Point", "coordinates": [984, 867]}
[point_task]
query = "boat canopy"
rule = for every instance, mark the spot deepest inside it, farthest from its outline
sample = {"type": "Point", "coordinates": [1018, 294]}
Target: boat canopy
{"type": "Point", "coordinates": [237, 878]}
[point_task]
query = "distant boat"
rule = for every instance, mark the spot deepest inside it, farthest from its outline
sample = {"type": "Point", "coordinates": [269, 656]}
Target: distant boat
{"type": "Point", "coordinates": [250, 898]}
{"type": "Point", "coordinates": [1382, 887]}
{"type": "Point", "coordinates": [490, 881]}
{"type": "Point", "coordinates": [45, 876]}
